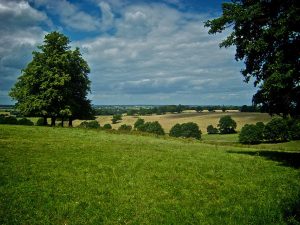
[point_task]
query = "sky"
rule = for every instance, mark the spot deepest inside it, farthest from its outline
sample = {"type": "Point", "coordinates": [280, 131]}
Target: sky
{"type": "Point", "coordinates": [139, 51]}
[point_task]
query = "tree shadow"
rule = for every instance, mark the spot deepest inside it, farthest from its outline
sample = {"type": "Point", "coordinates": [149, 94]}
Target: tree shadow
{"type": "Point", "coordinates": [290, 159]}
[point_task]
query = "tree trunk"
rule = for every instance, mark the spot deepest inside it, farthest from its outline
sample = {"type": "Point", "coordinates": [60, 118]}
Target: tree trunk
{"type": "Point", "coordinates": [45, 123]}
{"type": "Point", "coordinates": [62, 122]}
{"type": "Point", "coordinates": [53, 119]}
{"type": "Point", "coordinates": [70, 122]}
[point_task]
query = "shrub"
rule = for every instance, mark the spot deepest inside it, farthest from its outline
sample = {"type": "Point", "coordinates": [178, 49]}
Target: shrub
{"type": "Point", "coordinates": [294, 129]}
{"type": "Point", "coordinates": [175, 130]}
{"type": "Point", "coordinates": [25, 121]}
{"type": "Point", "coordinates": [90, 124]}
{"type": "Point", "coordinates": [40, 122]}
{"type": "Point", "coordinates": [138, 123]}
{"type": "Point", "coordinates": [276, 130]}
{"type": "Point", "coordinates": [212, 130]}
{"type": "Point", "coordinates": [152, 127]}
{"type": "Point", "coordinates": [125, 127]}
{"type": "Point", "coordinates": [107, 126]}
{"type": "Point", "coordinates": [116, 118]}
{"type": "Point", "coordinates": [9, 120]}
{"type": "Point", "coordinates": [187, 130]}
{"type": "Point", "coordinates": [227, 125]}
{"type": "Point", "coordinates": [190, 130]}
{"type": "Point", "coordinates": [251, 134]}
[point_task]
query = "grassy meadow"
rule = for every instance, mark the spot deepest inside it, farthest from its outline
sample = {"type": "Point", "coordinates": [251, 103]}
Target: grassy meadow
{"type": "Point", "coordinates": [79, 176]}
{"type": "Point", "coordinates": [203, 119]}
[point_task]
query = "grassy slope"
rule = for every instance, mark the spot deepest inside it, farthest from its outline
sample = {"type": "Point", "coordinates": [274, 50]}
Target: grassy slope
{"type": "Point", "coordinates": [74, 176]}
{"type": "Point", "coordinates": [202, 119]}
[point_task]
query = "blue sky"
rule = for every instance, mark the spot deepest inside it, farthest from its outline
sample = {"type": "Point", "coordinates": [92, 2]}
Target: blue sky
{"type": "Point", "coordinates": [139, 52]}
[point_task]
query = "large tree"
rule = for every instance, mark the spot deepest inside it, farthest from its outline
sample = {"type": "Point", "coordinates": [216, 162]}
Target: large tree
{"type": "Point", "coordinates": [55, 83]}
{"type": "Point", "coordinates": [266, 36]}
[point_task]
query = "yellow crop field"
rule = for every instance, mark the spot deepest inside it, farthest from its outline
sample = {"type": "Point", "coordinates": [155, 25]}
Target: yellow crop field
{"type": "Point", "coordinates": [203, 119]}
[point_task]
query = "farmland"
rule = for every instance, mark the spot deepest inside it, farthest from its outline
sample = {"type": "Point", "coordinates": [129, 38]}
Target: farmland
{"type": "Point", "coordinates": [202, 119]}
{"type": "Point", "coordinates": [79, 176]}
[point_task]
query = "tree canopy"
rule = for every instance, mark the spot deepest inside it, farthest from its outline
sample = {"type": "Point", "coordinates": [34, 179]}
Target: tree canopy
{"type": "Point", "coordinates": [266, 36]}
{"type": "Point", "coordinates": [55, 83]}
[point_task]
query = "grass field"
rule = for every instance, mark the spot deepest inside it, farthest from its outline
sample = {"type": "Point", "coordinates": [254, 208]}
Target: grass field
{"type": "Point", "coordinates": [76, 176]}
{"type": "Point", "coordinates": [202, 119]}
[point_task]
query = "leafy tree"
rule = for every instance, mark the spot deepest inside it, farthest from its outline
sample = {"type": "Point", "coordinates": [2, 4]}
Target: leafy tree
{"type": "Point", "coordinates": [266, 36]}
{"type": "Point", "coordinates": [190, 130]}
{"type": "Point", "coordinates": [25, 121]}
{"type": "Point", "coordinates": [227, 125]}
{"type": "Point", "coordinates": [294, 129]}
{"type": "Point", "coordinates": [139, 122]}
{"type": "Point", "coordinates": [175, 130]}
{"type": "Point", "coordinates": [107, 126]}
{"type": "Point", "coordinates": [125, 127]}
{"type": "Point", "coordinates": [152, 127]}
{"type": "Point", "coordinates": [116, 118]}
{"type": "Point", "coordinates": [93, 124]}
{"type": "Point", "coordinates": [55, 83]}
{"type": "Point", "coordinates": [212, 130]}
{"type": "Point", "coordinates": [276, 130]}
{"type": "Point", "coordinates": [251, 134]}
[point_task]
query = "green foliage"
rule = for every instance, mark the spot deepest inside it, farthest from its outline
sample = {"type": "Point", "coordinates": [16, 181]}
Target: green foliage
{"type": "Point", "coordinates": [107, 126]}
{"type": "Point", "coordinates": [187, 130]}
{"type": "Point", "coordinates": [55, 83]}
{"type": "Point", "coordinates": [175, 130]}
{"type": "Point", "coordinates": [294, 129]}
{"type": "Point", "coordinates": [276, 130]}
{"type": "Point", "coordinates": [8, 120]}
{"type": "Point", "coordinates": [40, 122]}
{"type": "Point", "coordinates": [25, 121]}
{"type": "Point", "coordinates": [139, 122]}
{"type": "Point", "coordinates": [266, 36]}
{"type": "Point", "coordinates": [212, 130]}
{"type": "Point", "coordinates": [152, 127]}
{"type": "Point", "coordinates": [125, 127]}
{"type": "Point", "coordinates": [90, 124]}
{"type": "Point", "coordinates": [227, 125]}
{"type": "Point", "coordinates": [251, 134]}
{"type": "Point", "coordinates": [116, 118]}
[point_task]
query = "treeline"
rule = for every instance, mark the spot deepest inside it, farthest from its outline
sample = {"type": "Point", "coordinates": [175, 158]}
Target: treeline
{"type": "Point", "coordinates": [160, 110]}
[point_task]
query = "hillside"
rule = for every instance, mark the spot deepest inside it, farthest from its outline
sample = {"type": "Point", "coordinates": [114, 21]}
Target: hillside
{"type": "Point", "coordinates": [76, 176]}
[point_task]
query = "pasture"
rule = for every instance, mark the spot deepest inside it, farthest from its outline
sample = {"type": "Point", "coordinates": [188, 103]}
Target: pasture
{"type": "Point", "coordinates": [203, 119]}
{"type": "Point", "coordinates": [79, 176]}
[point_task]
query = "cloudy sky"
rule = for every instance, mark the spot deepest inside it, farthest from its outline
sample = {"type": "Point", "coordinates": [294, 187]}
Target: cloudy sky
{"type": "Point", "coordinates": [139, 52]}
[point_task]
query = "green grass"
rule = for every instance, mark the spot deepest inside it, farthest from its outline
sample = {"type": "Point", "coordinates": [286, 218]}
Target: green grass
{"type": "Point", "coordinates": [76, 176]}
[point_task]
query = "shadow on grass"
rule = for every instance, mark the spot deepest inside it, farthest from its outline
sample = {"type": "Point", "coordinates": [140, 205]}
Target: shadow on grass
{"type": "Point", "coordinates": [290, 159]}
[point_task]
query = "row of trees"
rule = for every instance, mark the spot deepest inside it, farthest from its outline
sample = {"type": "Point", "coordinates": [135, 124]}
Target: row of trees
{"type": "Point", "coordinates": [55, 83]}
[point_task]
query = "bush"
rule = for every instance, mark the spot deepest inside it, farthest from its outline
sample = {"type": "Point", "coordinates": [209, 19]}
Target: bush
{"type": "Point", "coordinates": [251, 134]}
{"type": "Point", "coordinates": [190, 130]}
{"type": "Point", "coordinates": [175, 130]}
{"type": "Point", "coordinates": [227, 125]}
{"type": "Point", "coordinates": [125, 127]}
{"type": "Point", "coordinates": [276, 130]}
{"type": "Point", "coordinates": [116, 118]}
{"type": "Point", "coordinates": [152, 127]}
{"type": "Point", "coordinates": [107, 126]}
{"type": "Point", "coordinates": [212, 130]}
{"type": "Point", "coordinates": [8, 120]}
{"type": "Point", "coordinates": [138, 123]}
{"type": "Point", "coordinates": [25, 121]}
{"type": "Point", "coordinates": [187, 130]}
{"type": "Point", "coordinates": [40, 122]}
{"type": "Point", "coordinates": [294, 129]}
{"type": "Point", "coordinates": [90, 124]}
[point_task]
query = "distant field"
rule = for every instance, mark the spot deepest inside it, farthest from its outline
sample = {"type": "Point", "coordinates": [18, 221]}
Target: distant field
{"type": "Point", "coordinates": [202, 119]}
{"type": "Point", "coordinates": [76, 176]}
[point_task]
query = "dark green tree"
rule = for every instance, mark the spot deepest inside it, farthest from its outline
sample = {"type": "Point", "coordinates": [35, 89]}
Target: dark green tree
{"type": "Point", "coordinates": [55, 83]}
{"type": "Point", "coordinates": [139, 122]}
{"type": "Point", "coordinates": [227, 125]}
{"type": "Point", "coordinates": [175, 130]}
{"type": "Point", "coordinates": [267, 40]}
